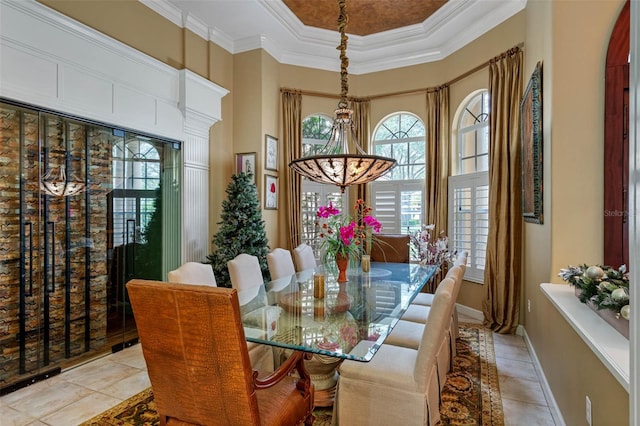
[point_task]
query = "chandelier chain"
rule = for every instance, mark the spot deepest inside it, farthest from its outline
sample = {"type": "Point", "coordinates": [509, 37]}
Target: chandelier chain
{"type": "Point", "coordinates": [343, 20]}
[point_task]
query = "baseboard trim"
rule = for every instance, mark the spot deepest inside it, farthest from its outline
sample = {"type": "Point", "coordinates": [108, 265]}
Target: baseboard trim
{"type": "Point", "coordinates": [470, 312]}
{"type": "Point", "coordinates": [546, 389]}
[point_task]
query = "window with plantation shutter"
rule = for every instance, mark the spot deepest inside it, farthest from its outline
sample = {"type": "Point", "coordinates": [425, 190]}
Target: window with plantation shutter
{"type": "Point", "coordinates": [469, 220]}
{"type": "Point", "coordinates": [469, 184]}
{"type": "Point", "coordinates": [398, 198]}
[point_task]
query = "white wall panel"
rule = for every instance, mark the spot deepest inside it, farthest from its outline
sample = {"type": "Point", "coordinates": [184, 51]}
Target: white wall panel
{"type": "Point", "coordinates": [51, 61]}
{"type": "Point", "coordinates": [85, 90]}
{"type": "Point", "coordinates": [22, 71]}
{"type": "Point", "coordinates": [195, 214]}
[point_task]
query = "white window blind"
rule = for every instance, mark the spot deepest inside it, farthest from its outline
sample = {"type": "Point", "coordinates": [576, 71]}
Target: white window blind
{"type": "Point", "coordinates": [398, 206]}
{"type": "Point", "coordinates": [469, 220]}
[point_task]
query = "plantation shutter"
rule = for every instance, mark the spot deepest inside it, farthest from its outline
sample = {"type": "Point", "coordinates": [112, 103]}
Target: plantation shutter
{"type": "Point", "coordinates": [469, 220]}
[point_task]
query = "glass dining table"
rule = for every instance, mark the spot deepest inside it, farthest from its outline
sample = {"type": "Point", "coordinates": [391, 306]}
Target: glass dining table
{"type": "Point", "coordinates": [347, 320]}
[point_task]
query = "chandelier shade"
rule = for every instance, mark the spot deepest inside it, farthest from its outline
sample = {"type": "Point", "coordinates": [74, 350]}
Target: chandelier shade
{"type": "Point", "coordinates": [56, 183]}
{"type": "Point", "coordinates": [334, 164]}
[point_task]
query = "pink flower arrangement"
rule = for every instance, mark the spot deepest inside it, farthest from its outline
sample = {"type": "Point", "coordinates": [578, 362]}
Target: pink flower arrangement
{"type": "Point", "coordinates": [343, 235]}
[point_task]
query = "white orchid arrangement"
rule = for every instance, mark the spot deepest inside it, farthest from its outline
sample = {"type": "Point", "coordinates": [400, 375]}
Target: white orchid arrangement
{"type": "Point", "coordinates": [431, 250]}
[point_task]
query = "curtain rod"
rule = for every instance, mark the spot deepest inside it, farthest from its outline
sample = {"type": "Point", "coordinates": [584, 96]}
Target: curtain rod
{"type": "Point", "coordinates": [413, 91]}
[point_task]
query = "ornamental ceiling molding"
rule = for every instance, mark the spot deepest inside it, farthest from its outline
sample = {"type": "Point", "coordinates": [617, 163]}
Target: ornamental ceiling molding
{"type": "Point", "coordinates": [272, 26]}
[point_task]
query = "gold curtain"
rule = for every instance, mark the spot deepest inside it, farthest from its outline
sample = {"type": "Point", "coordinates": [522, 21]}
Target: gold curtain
{"type": "Point", "coordinates": [501, 305]}
{"type": "Point", "coordinates": [437, 150]}
{"type": "Point", "coordinates": [362, 122]}
{"type": "Point", "coordinates": [292, 141]}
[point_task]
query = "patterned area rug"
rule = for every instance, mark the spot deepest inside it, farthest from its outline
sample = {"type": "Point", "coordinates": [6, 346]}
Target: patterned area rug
{"type": "Point", "coordinates": [471, 395]}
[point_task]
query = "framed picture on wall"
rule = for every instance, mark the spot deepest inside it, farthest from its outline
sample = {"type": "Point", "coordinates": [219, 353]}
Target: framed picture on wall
{"type": "Point", "coordinates": [246, 163]}
{"type": "Point", "coordinates": [270, 192]}
{"type": "Point", "coordinates": [531, 135]}
{"type": "Point", "coordinates": [270, 153]}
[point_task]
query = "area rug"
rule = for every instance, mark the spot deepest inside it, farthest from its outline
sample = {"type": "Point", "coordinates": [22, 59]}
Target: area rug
{"type": "Point", "coordinates": [471, 395]}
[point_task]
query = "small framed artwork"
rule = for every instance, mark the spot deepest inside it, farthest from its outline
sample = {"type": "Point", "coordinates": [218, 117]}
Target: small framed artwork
{"type": "Point", "coordinates": [531, 135]}
{"type": "Point", "coordinates": [246, 163]}
{"type": "Point", "coordinates": [270, 153]}
{"type": "Point", "coordinates": [270, 192]}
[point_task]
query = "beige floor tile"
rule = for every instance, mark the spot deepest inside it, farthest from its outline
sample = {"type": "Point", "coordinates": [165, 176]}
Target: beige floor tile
{"type": "Point", "coordinates": [100, 376]}
{"type": "Point", "coordinates": [81, 410]}
{"type": "Point", "coordinates": [513, 368]}
{"type": "Point", "coordinates": [131, 356]}
{"type": "Point", "coordinates": [45, 397]}
{"type": "Point", "coordinates": [521, 390]}
{"type": "Point", "coordinates": [517, 413]}
{"type": "Point", "coordinates": [12, 417]}
{"type": "Point", "coordinates": [509, 339]}
{"type": "Point", "coordinates": [517, 353]}
{"type": "Point", "coordinates": [129, 386]}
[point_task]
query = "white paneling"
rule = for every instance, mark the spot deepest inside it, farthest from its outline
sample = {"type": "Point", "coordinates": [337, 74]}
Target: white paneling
{"type": "Point", "coordinates": [86, 90]}
{"type": "Point", "coordinates": [196, 152]}
{"type": "Point", "coordinates": [129, 103]}
{"type": "Point", "coordinates": [104, 80]}
{"type": "Point", "coordinates": [195, 214]}
{"type": "Point", "coordinates": [22, 71]}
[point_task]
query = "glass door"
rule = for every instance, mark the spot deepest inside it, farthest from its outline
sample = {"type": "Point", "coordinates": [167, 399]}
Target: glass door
{"type": "Point", "coordinates": [145, 221]}
{"type": "Point", "coordinates": [83, 209]}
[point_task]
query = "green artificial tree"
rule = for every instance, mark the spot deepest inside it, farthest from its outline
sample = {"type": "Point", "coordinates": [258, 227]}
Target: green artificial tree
{"type": "Point", "coordinates": [241, 229]}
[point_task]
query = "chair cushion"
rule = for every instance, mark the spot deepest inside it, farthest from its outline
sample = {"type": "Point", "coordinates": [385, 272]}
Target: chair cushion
{"type": "Point", "coordinates": [425, 299]}
{"type": "Point", "coordinates": [392, 366]}
{"type": "Point", "coordinates": [416, 313]}
{"type": "Point", "coordinates": [406, 334]}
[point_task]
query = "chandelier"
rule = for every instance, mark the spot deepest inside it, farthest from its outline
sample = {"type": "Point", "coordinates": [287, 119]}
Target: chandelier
{"type": "Point", "coordinates": [55, 182]}
{"type": "Point", "coordinates": [333, 164]}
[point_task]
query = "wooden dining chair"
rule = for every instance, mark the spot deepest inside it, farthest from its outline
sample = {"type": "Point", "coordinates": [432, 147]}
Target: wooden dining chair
{"type": "Point", "coordinates": [198, 364]}
{"type": "Point", "coordinates": [390, 248]}
{"type": "Point", "coordinates": [399, 385]}
{"type": "Point", "coordinates": [261, 356]}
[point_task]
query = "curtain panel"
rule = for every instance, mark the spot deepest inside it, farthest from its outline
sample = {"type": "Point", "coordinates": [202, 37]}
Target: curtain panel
{"type": "Point", "coordinates": [292, 142]}
{"type": "Point", "coordinates": [502, 274]}
{"type": "Point", "coordinates": [362, 123]}
{"type": "Point", "coordinates": [438, 149]}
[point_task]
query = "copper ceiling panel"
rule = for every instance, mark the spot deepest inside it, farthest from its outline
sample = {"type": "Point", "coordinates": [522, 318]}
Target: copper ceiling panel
{"type": "Point", "coordinates": [365, 16]}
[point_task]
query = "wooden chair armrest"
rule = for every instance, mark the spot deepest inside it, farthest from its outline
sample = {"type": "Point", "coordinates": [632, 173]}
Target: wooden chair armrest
{"type": "Point", "coordinates": [295, 361]}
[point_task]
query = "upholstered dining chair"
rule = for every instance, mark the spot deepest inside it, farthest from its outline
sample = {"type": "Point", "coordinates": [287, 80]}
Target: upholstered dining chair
{"type": "Point", "coordinates": [280, 263]}
{"type": "Point", "coordinates": [198, 364]}
{"type": "Point", "coordinates": [426, 299]}
{"type": "Point", "coordinates": [200, 273]}
{"type": "Point", "coordinates": [399, 385]}
{"type": "Point", "coordinates": [304, 257]}
{"type": "Point", "coordinates": [245, 272]}
{"type": "Point", "coordinates": [390, 248]}
{"type": "Point", "coordinates": [408, 334]}
{"type": "Point", "coordinates": [193, 273]}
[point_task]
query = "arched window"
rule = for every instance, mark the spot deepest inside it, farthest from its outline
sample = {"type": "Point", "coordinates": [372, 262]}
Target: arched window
{"type": "Point", "coordinates": [400, 136]}
{"type": "Point", "coordinates": [315, 134]}
{"type": "Point", "coordinates": [469, 183]}
{"type": "Point", "coordinates": [136, 176]}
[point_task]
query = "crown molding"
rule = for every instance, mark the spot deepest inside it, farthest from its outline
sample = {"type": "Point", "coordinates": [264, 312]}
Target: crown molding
{"type": "Point", "coordinates": [289, 41]}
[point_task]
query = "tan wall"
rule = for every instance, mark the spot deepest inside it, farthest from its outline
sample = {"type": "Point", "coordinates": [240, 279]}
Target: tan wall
{"type": "Point", "coordinates": [571, 39]}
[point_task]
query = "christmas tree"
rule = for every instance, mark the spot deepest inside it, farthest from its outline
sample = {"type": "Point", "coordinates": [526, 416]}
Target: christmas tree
{"type": "Point", "coordinates": [241, 229]}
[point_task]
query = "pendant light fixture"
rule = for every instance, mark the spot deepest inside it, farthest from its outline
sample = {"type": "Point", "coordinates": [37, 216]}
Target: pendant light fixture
{"type": "Point", "coordinates": [333, 164]}
{"type": "Point", "coordinates": [56, 183]}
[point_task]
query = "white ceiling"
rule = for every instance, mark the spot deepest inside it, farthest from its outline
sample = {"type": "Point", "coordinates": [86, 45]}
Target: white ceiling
{"type": "Point", "coordinates": [243, 25]}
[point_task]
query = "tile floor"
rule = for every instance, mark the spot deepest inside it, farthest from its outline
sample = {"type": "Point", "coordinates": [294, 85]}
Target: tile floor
{"type": "Point", "coordinates": [81, 393]}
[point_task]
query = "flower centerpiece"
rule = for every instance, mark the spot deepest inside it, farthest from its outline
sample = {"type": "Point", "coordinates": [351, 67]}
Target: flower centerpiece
{"type": "Point", "coordinates": [603, 286]}
{"type": "Point", "coordinates": [343, 236]}
{"type": "Point", "coordinates": [431, 250]}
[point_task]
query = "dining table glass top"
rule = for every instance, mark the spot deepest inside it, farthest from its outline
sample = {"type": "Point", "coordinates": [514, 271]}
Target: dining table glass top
{"type": "Point", "coordinates": [350, 320]}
